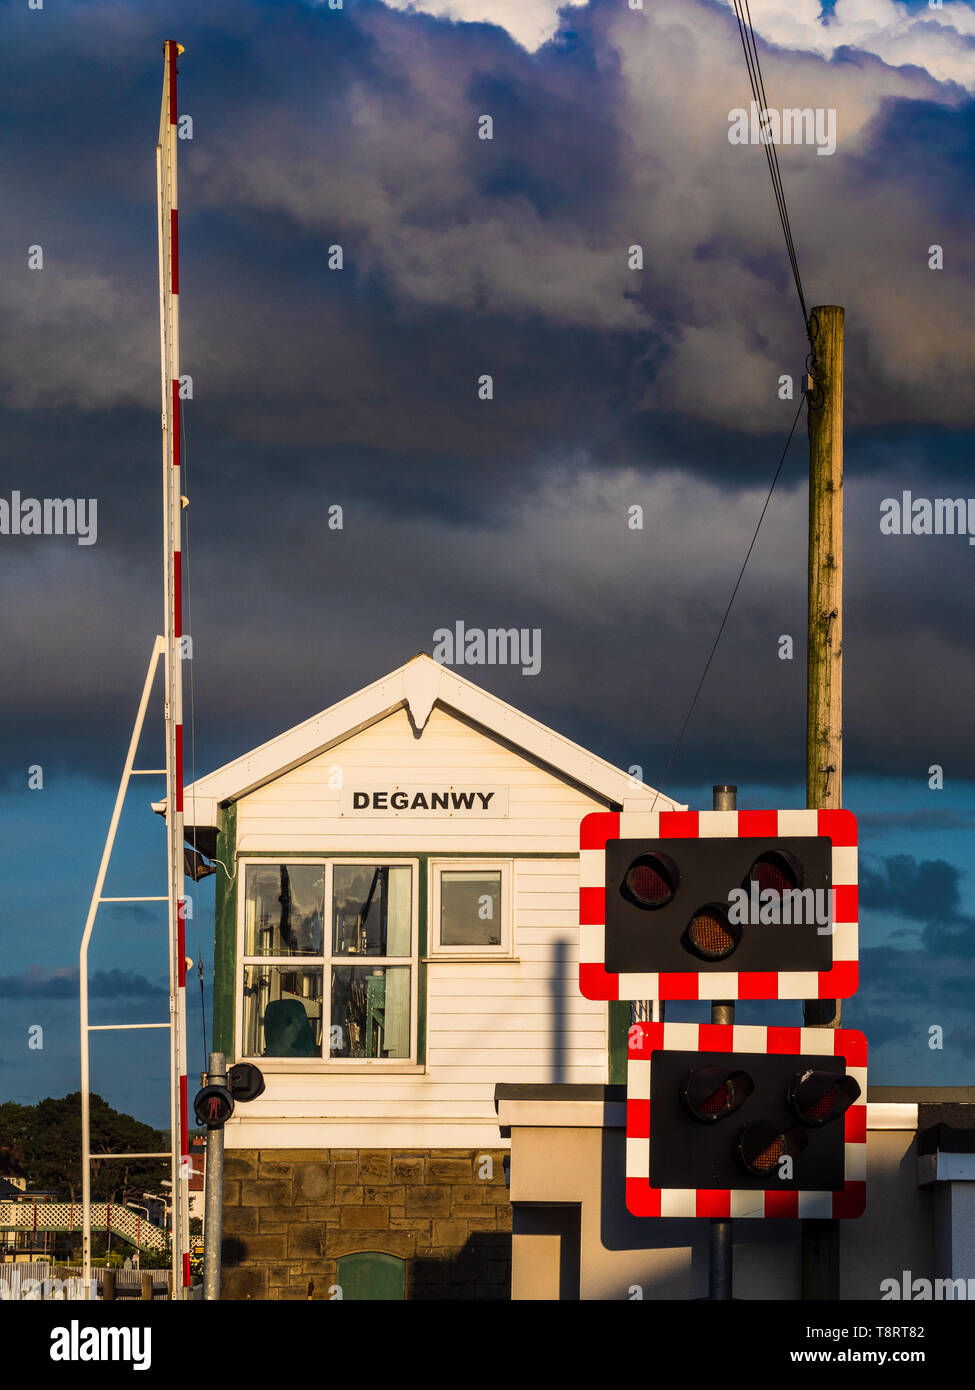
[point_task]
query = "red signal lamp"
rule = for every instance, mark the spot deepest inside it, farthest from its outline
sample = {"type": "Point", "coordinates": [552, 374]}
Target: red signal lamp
{"type": "Point", "coordinates": [819, 1097]}
{"type": "Point", "coordinates": [709, 1094]}
{"type": "Point", "coordinates": [651, 881]}
{"type": "Point", "coordinates": [776, 870]}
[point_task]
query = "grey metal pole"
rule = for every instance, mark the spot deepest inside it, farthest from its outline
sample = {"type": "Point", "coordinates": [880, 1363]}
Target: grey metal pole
{"type": "Point", "coordinates": [721, 1261]}
{"type": "Point", "coordinates": [213, 1195]}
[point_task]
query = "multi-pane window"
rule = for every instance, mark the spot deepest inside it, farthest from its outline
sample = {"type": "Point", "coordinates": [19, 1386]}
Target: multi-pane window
{"type": "Point", "coordinates": [328, 967]}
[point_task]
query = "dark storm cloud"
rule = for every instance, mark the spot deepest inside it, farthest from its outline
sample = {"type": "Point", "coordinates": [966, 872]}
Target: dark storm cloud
{"type": "Point", "coordinates": [925, 891]}
{"type": "Point", "coordinates": [358, 387]}
{"type": "Point", "coordinates": [904, 993]}
{"type": "Point", "coordinates": [939, 994]}
{"type": "Point", "coordinates": [888, 822]}
{"type": "Point", "coordinates": [38, 983]}
{"type": "Point", "coordinates": [912, 888]}
{"type": "Point", "coordinates": [288, 616]}
{"type": "Point", "coordinates": [443, 231]}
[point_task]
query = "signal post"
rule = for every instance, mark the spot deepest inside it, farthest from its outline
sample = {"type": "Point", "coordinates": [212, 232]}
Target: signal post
{"type": "Point", "coordinates": [731, 1122]}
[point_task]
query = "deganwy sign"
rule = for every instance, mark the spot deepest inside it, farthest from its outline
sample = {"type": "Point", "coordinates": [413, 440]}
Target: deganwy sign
{"type": "Point", "coordinates": [395, 800]}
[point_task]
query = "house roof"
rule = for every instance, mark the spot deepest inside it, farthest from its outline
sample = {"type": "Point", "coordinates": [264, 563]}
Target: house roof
{"type": "Point", "coordinates": [417, 686]}
{"type": "Point", "coordinates": [8, 1192]}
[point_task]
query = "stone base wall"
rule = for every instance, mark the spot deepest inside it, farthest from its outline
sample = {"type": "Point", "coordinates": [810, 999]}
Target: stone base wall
{"type": "Point", "coordinates": [289, 1214]}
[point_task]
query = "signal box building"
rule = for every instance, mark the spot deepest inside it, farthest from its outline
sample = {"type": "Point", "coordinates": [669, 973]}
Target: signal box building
{"type": "Point", "coordinates": [396, 936]}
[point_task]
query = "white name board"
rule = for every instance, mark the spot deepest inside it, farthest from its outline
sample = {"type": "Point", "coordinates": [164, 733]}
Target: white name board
{"type": "Point", "coordinates": [393, 799]}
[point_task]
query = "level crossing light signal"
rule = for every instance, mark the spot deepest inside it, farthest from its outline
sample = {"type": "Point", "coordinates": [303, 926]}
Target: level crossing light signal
{"type": "Point", "coordinates": [213, 1106]}
{"type": "Point", "coordinates": [245, 1081]}
{"type": "Point", "coordinates": [718, 905]}
{"type": "Point", "coordinates": [731, 1121]}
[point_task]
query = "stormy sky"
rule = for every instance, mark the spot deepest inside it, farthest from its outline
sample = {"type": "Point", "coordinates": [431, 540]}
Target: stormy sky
{"type": "Point", "coordinates": [614, 387]}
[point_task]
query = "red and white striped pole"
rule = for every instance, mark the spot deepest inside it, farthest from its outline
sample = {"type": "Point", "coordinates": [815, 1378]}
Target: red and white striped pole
{"type": "Point", "coordinates": [173, 617]}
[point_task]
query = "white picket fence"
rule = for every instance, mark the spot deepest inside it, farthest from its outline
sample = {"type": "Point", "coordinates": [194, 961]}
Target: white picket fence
{"type": "Point", "coordinates": [40, 1280]}
{"type": "Point", "coordinates": [37, 1280]}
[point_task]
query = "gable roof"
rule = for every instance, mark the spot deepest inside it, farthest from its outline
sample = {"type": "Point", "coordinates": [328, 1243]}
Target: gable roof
{"type": "Point", "coordinates": [416, 687]}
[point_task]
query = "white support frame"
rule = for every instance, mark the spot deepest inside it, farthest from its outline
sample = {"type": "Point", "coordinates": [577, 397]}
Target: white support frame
{"type": "Point", "coordinates": [128, 771]}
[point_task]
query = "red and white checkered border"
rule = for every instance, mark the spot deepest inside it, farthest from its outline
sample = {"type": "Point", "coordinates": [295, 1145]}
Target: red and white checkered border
{"type": "Point", "coordinates": [739, 1203]}
{"type": "Point", "coordinates": [596, 982]}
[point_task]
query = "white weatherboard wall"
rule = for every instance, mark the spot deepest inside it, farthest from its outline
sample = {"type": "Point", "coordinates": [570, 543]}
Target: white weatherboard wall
{"type": "Point", "coordinates": [515, 1020]}
{"type": "Point", "coordinates": [300, 811]}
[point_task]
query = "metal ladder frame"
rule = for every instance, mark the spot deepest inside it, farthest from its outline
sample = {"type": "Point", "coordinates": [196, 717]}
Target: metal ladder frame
{"type": "Point", "coordinates": [87, 1158]}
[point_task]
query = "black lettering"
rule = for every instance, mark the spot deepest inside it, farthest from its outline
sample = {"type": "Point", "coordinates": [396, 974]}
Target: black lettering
{"type": "Point", "coordinates": [463, 799]}
{"type": "Point", "coordinates": [360, 800]}
{"type": "Point", "coordinates": [419, 803]}
{"type": "Point", "coordinates": [379, 801]}
{"type": "Point", "coordinates": [399, 801]}
{"type": "Point", "coordinates": [485, 799]}
{"type": "Point", "coordinates": [439, 801]}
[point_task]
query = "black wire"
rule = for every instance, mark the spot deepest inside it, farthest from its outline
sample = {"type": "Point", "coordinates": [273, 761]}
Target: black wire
{"type": "Point", "coordinates": [749, 44]}
{"type": "Point", "coordinates": [771, 156]}
{"type": "Point", "coordinates": [203, 1006]}
{"type": "Point", "coordinates": [772, 159]}
{"type": "Point", "coordinates": [727, 611]}
{"type": "Point", "coordinates": [747, 33]}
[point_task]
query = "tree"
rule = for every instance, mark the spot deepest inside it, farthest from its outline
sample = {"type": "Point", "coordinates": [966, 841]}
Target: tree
{"type": "Point", "coordinates": [12, 1160]}
{"type": "Point", "coordinates": [45, 1139]}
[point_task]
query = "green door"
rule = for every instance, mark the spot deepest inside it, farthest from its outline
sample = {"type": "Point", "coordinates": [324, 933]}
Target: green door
{"type": "Point", "coordinates": [371, 1276]}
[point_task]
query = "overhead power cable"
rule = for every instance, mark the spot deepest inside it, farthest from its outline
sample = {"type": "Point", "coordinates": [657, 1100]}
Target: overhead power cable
{"type": "Point", "coordinates": [734, 592]}
{"type": "Point", "coordinates": [750, 46]}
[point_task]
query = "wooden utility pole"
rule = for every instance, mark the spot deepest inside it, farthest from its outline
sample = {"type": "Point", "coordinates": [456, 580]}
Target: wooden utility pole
{"type": "Point", "coordinates": [824, 695]}
{"type": "Point", "coordinates": [824, 709]}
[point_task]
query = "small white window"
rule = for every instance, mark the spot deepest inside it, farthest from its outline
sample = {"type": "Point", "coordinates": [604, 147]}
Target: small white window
{"type": "Point", "coordinates": [471, 905]}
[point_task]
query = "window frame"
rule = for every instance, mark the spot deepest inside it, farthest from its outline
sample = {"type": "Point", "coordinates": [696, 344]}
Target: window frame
{"type": "Point", "coordinates": [436, 950]}
{"type": "Point", "coordinates": [327, 960]}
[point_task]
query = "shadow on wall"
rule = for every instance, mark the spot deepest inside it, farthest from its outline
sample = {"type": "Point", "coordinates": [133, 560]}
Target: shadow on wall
{"type": "Point", "coordinates": [666, 1278]}
{"type": "Point", "coordinates": [480, 1270]}
{"type": "Point", "coordinates": [673, 1261]}
{"type": "Point", "coordinates": [562, 972]}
